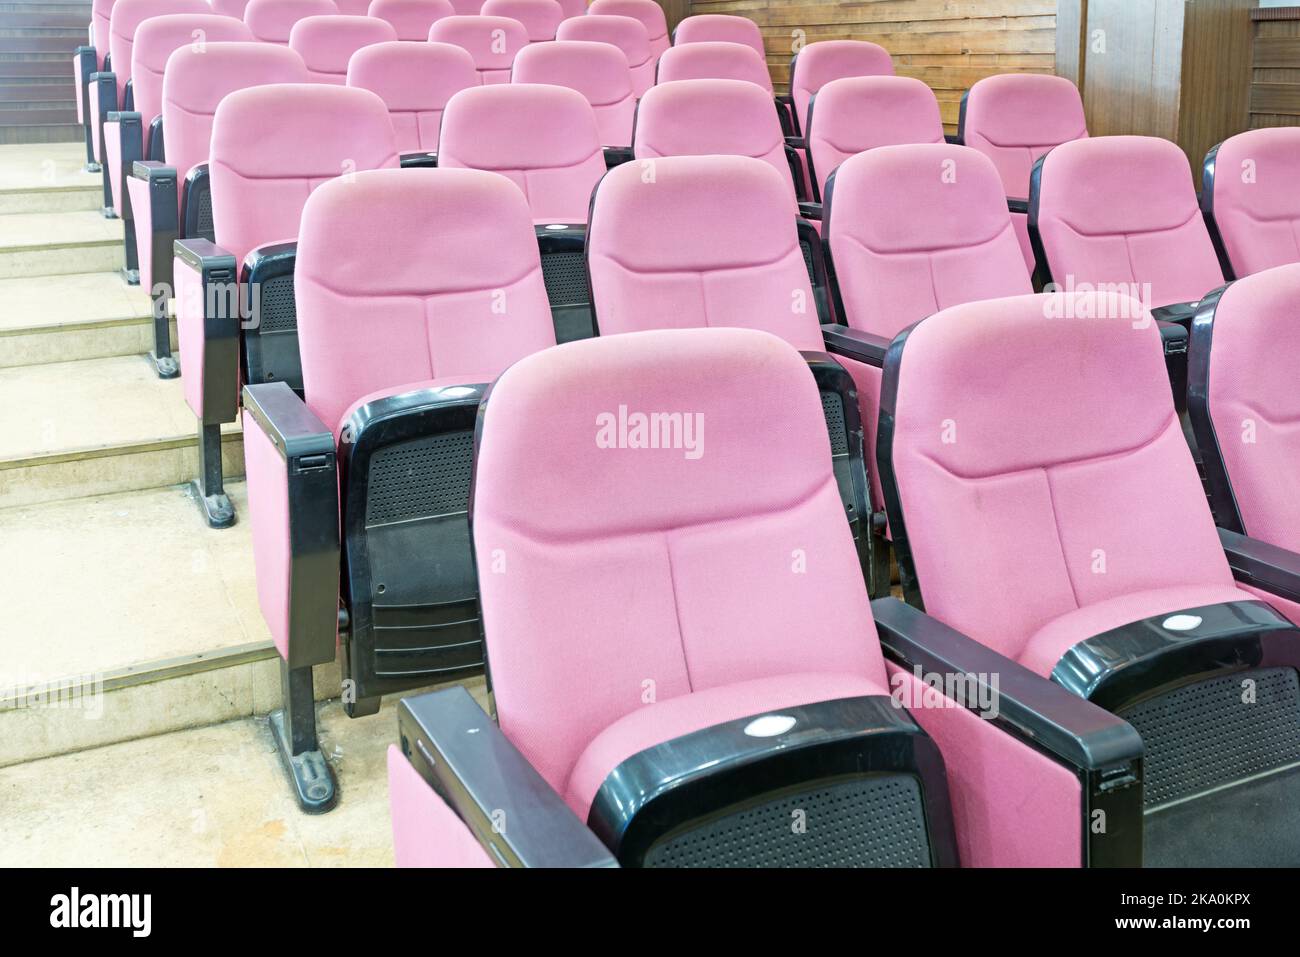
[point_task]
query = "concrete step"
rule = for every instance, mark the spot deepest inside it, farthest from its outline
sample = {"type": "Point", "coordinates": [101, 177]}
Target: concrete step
{"type": "Point", "coordinates": [97, 426]}
{"type": "Point", "coordinates": [52, 244]}
{"type": "Point", "coordinates": [46, 178]}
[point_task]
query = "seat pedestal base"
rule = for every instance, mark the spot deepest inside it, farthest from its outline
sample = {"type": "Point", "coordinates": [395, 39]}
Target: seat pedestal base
{"type": "Point", "coordinates": [92, 168]}
{"type": "Point", "coordinates": [131, 277]}
{"type": "Point", "coordinates": [309, 773]}
{"type": "Point", "coordinates": [109, 212]}
{"type": "Point", "coordinates": [166, 366]}
{"type": "Point", "coordinates": [209, 487]}
{"type": "Point", "coordinates": [217, 509]}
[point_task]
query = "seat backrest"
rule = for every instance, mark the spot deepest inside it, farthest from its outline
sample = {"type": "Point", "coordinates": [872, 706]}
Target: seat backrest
{"type": "Point", "coordinates": [854, 114]}
{"type": "Point", "coordinates": [818, 63]}
{"type": "Point", "coordinates": [1123, 210]}
{"type": "Point", "coordinates": [648, 12]}
{"type": "Point", "coordinates": [273, 145]}
{"type": "Point", "coordinates": [702, 241]}
{"type": "Point", "coordinates": [272, 20]}
{"type": "Point", "coordinates": [543, 138]}
{"type": "Point", "coordinates": [415, 81]}
{"type": "Point", "coordinates": [125, 19]}
{"type": "Point", "coordinates": [197, 80]}
{"type": "Point", "coordinates": [639, 574]}
{"type": "Point", "coordinates": [353, 8]}
{"type": "Point", "coordinates": [156, 39]}
{"type": "Point", "coordinates": [626, 33]}
{"type": "Point", "coordinates": [916, 229]}
{"type": "Point", "coordinates": [400, 276]}
{"type": "Point", "coordinates": [598, 71]}
{"type": "Point", "coordinates": [706, 27]}
{"type": "Point", "coordinates": [411, 18]}
{"type": "Point", "coordinates": [718, 117]}
{"type": "Point", "coordinates": [540, 18]}
{"type": "Point", "coordinates": [1042, 427]}
{"type": "Point", "coordinates": [573, 8]}
{"type": "Point", "coordinates": [493, 42]}
{"type": "Point", "coordinates": [1014, 118]}
{"type": "Point", "coordinates": [101, 12]}
{"type": "Point", "coordinates": [230, 8]}
{"type": "Point", "coordinates": [1249, 190]}
{"type": "Point", "coordinates": [713, 60]}
{"type": "Point", "coordinates": [327, 43]}
{"type": "Point", "coordinates": [1252, 400]}
{"type": "Point", "coordinates": [467, 8]}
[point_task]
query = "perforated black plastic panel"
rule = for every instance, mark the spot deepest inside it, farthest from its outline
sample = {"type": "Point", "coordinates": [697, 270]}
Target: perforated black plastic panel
{"type": "Point", "coordinates": [279, 311]}
{"type": "Point", "coordinates": [565, 274]}
{"type": "Point", "coordinates": [420, 478]}
{"type": "Point", "coordinates": [1206, 735]}
{"type": "Point", "coordinates": [206, 229]}
{"type": "Point", "coordinates": [805, 247]}
{"type": "Point", "coordinates": [833, 409]}
{"type": "Point", "coordinates": [876, 821]}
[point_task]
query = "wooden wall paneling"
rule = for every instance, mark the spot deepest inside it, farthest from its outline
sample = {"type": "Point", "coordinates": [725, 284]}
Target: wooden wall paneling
{"type": "Point", "coordinates": [1275, 74]}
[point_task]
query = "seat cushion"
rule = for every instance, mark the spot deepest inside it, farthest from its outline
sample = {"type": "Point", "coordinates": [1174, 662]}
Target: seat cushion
{"type": "Point", "coordinates": [1046, 646]}
{"type": "Point", "coordinates": [662, 721]}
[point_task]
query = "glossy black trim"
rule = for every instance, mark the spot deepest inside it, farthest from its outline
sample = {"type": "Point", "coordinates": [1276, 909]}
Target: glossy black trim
{"type": "Point", "coordinates": [618, 155]}
{"type": "Point", "coordinates": [306, 445]}
{"type": "Point", "coordinates": [828, 254]}
{"type": "Point", "coordinates": [865, 347]}
{"type": "Point", "coordinates": [197, 183]}
{"type": "Point", "coordinates": [795, 163]}
{"type": "Point", "coordinates": [425, 159]}
{"type": "Point", "coordinates": [221, 322]}
{"type": "Point", "coordinates": [155, 148]}
{"type": "Point", "coordinates": [130, 148]}
{"type": "Point", "coordinates": [1206, 200]}
{"type": "Point", "coordinates": [819, 279]}
{"type": "Point", "coordinates": [468, 762]}
{"type": "Point", "coordinates": [1180, 313]}
{"type": "Point", "coordinates": [88, 58]}
{"type": "Point", "coordinates": [1017, 206]}
{"type": "Point", "coordinates": [1218, 484]}
{"type": "Point", "coordinates": [796, 125]}
{"type": "Point", "coordinates": [811, 211]}
{"type": "Point", "coordinates": [1042, 268]}
{"type": "Point", "coordinates": [907, 576]}
{"type": "Point", "coordinates": [961, 118]}
{"type": "Point", "coordinates": [572, 320]}
{"type": "Point", "coordinates": [274, 355]}
{"type": "Point", "coordinates": [673, 783]}
{"type": "Point", "coordinates": [1129, 664]}
{"type": "Point", "coordinates": [1261, 565]}
{"type": "Point", "coordinates": [808, 157]}
{"type": "Point", "coordinates": [160, 180]}
{"type": "Point", "coordinates": [105, 81]}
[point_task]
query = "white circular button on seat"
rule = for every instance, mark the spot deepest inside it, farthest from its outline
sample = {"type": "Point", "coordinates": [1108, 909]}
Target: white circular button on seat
{"type": "Point", "coordinates": [1181, 622]}
{"type": "Point", "coordinates": [769, 726]}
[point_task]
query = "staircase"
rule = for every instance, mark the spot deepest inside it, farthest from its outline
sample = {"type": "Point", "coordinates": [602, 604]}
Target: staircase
{"type": "Point", "coordinates": [37, 96]}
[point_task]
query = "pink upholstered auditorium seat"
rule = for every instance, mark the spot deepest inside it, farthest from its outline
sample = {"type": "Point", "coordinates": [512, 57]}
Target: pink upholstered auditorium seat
{"type": "Point", "coordinates": [540, 18]}
{"type": "Point", "coordinates": [493, 42]}
{"type": "Point", "coordinates": [855, 114]}
{"type": "Point", "coordinates": [467, 8]}
{"type": "Point", "coordinates": [271, 147]}
{"type": "Point", "coordinates": [411, 18]}
{"type": "Point", "coordinates": [353, 8]}
{"type": "Point", "coordinates": [599, 71]}
{"type": "Point", "coordinates": [818, 63]}
{"type": "Point", "coordinates": [1015, 118]}
{"type": "Point", "coordinates": [1249, 198]}
{"type": "Point", "coordinates": [415, 81]}
{"type": "Point", "coordinates": [86, 61]}
{"type": "Point", "coordinates": [714, 60]}
{"type": "Point", "coordinates": [707, 27]}
{"type": "Point", "coordinates": [272, 20]}
{"type": "Point", "coordinates": [649, 13]}
{"type": "Point", "coordinates": [626, 33]}
{"type": "Point", "coordinates": [1085, 500]}
{"type": "Point", "coordinates": [327, 43]}
{"type": "Point", "coordinates": [414, 289]}
{"type": "Point", "coordinates": [229, 8]}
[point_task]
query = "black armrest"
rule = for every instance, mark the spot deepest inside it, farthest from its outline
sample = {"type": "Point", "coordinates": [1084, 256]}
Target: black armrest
{"type": "Point", "coordinates": [855, 344]}
{"type": "Point", "coordinates": [953, 139]}
{"type": "Point", "coordinates": [1175, 337]}
{"type": "Point", "coordinates": [1181, 313]}
{"type": "Point", "coordinates": [130, 143]}
{"type": "Point", "coordinates": [1018, 206]}
{"type": "Point", "coordinates": [1267, 567]}
{"type": "Point", "coordinates": [164, 230]}
{"type": "Point", "coordinates": [506, 804]}
{"type": "Point", "coordinates": [811, 211]}
{"type": "Point", "coordinates": [1072, 728]}
{"type": "Point", "coordinates": [419, 160]}
{"type": "Point", "coordinates": [197, 185]}
{"type": "Point", "coordinates": [220, 323]}
{"type": "Point", "coordinates": [798, 142]}
{"type": "Point", "coordinates": [617, 156]}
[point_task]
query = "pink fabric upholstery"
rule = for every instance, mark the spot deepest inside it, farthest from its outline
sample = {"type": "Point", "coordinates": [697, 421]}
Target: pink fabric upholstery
{"type": "Point", "coordinates": [229, 8]}
{"type": "Point", "coordinates": [1012, 805]}
{"type": "Point", "coordinates": [659, 721]}
{"type": "Point", "coordinates": [410, 275]}
{"type": "Point", "coordinates": [78, 84]}
{"type": "Point", "coordinates": [1122, 209]}
{"type": "Point", "coordinates": [598, 71]}
{"type": "Point", "coordinates": [113, 160]}
{"type": "Point", "coordinates": [412, 18]}
{"type": "Point", "coordinates": [101, 12]}
{"type": "Point", "coordinates": [626, 33]}
{"type": "Point", "coordinates": [196, 81]}
{"type": "Point", "coordinates": [637, 574]}
{"type": "Point", "coordinates": [1015, 118]}
{"type": "Point", "coordinates": [1254, 402]}
{"type": "Point", "coordinates": [668, 251]}
{"type": "Point", "coordinates": [268, 480]}
{"type": "Point", "coordinates": [540, 18]}
{"type": "Point", "coordinates": [467, 8]}
{"type": "Point", "coordinates": [155, 41]}
{"type": "Point", "coordinates": [415, 81]}
{"type": "Point", "coordinates": [353, 8]}
{"type": "Point", "coordinates": [95, 114]}
{"type": "Point", "coordinates": [713, 61]}
{"type": "Point", "coordinates": [273, 145]}
{"type": "Point", "coordinates": [818, 63]}
{"type": "Point", "coordinates": [138, 190]}
{"type": "Point", "coordinates": [127, 15]}
{"type": "Point", "coordinates": [544, 139]}
{"type": "Point", "coordinates": [649, 13]}
{"type": "Point", "coordinates": [426, 832]}
{"type": "Point", "coordinates": [327, 43]}
{"type": "Point", "coordinates": [705, 27]}
{"type": "Point", "coordinates": [272, 20]}
{"type": "Point", "coordinates": [189, 332]}
{"type": "Point", "coordinates": [573, 8]}
{"type": "Point", "coordinates": [1290, 609]}
{"type": "Point", "coordinates": [1255, 204]}
{"type": "Point", "coordinates": [855, 114]}
{"type": "Point", "coordinates": [712, 117]}
{"type": "Point", "coordinates": [1040, 431]}
{"type": "Point", "coordinates": [493, 42]}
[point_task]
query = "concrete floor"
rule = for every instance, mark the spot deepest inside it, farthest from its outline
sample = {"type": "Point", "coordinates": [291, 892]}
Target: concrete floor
{"type": "Point", "coordinates": [214, 796]}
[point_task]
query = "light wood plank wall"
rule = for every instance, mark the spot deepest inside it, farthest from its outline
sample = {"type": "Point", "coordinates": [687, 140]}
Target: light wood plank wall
{"type": "Point", "coordinates": [949, 44]}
